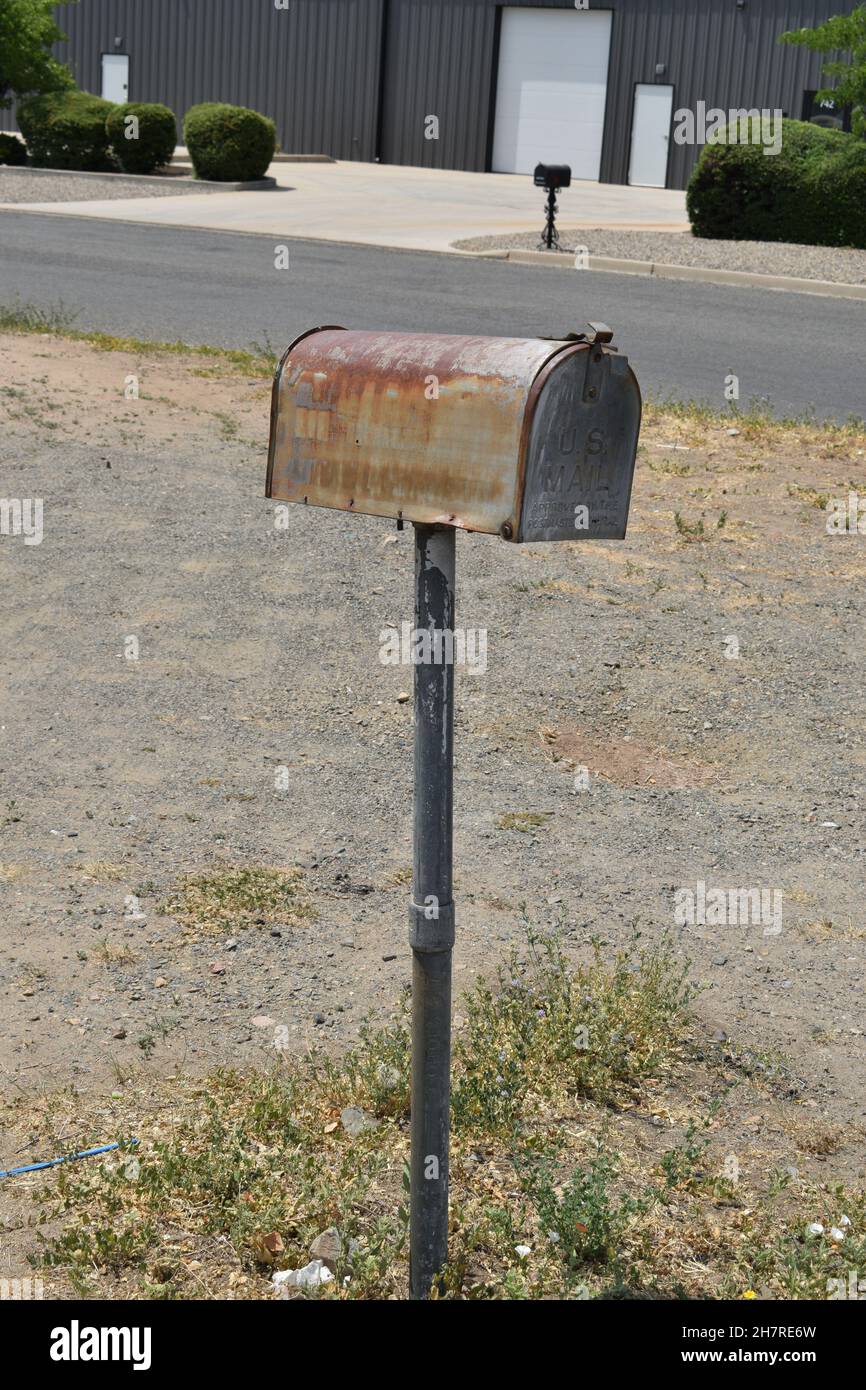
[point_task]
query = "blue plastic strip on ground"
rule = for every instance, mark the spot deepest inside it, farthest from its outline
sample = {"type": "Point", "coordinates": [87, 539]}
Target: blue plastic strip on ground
{"type": "Point", "coordinates": [67, 1158]}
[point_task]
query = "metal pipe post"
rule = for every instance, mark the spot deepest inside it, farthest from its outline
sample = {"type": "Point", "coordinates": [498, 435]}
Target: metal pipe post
{"type": "Point", "coordinates": [431, 913]}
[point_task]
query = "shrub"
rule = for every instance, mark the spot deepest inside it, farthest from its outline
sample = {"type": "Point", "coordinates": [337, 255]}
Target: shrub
{"type": "Point", "coordinates": [12, 150]}
{"type": "Point", "coordinates": [66, 130]}
{"type": "Point", "coordinates": [594, 1031]}
{"type": "Point", "coordinates": [142, 135]}
{"type": "Point", "coordinates": [813, 191]}
{"type": "Point", "coordinates": [229, 142]}
{"type": "Point", "coordinates": [587, 1219]}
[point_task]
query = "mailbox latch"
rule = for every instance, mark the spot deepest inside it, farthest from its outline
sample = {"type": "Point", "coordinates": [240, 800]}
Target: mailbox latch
{"type": "Point", "coordinates": [593, 333]}
{"type": "Point", "coordinates": [597, 333]}
{"type": "Point", "coordinates": [597, 369]}
{"type": "Point", "coordinates": [597, 336]}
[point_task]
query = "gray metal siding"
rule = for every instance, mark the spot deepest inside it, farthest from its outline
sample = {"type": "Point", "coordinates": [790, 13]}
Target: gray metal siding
{"type": "Point", "coordinates": [441, 60]}
{"type": "Point", "coordinates": [313, 68]}
{"type": "Point", "coordinates": [316, 68]}
{"type": "Point", "coordinates": [713, 53]}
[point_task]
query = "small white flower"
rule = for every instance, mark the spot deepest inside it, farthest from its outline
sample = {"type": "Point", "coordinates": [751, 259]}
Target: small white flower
{"type": "Point", "coordinates": [553, 1237]}
{"type": "Point", "coordinates": [844, 1221]}
{"type": "Point", "coordinates": [523, 1250]}
{"type": "Point", "coordinates": [836, 1234]}
{"type": "Point", "coordinates": [815, 1228]}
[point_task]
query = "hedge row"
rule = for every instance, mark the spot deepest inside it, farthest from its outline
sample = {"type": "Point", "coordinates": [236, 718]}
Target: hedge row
{"type": "Point", "coordinates": [813, 191]}
{"type": "Point", "coordinates": [75, 130]}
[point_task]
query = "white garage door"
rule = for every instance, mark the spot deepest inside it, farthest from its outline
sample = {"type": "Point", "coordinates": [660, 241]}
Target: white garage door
{"type": "Point", "coordinates": [550, 96]}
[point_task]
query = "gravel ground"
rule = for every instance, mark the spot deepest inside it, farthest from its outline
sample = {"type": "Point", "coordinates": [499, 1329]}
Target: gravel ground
{"type": "Point", "coordinates": [842, 265]}
{"type": "Point", "coordinates": [258, 649]}
{"type": "Point", "coordinates": [22, 186]}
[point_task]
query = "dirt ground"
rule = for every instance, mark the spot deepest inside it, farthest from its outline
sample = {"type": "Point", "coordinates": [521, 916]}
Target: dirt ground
{"type": "Point", "coordinates": [258, 650]}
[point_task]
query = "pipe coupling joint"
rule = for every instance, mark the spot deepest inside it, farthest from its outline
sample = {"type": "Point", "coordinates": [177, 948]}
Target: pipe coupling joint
{"type": "Point", "coordinates": [431, 925]}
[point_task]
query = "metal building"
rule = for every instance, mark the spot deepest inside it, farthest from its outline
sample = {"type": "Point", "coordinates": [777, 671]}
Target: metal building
{"type": "Point", "coordinates": [460, 84]}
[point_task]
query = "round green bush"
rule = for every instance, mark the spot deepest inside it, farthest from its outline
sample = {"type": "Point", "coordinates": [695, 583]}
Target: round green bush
{"type": "Point", "coordinates": [143, 136]}
{"type": "Point", "coordinates": [66, 130]}
{"type": "Point", "coordinates": [842, 215]}
{"type": "Point", "coordinates": [812, 192]}
{"type": "Point", "coordinates": [229, 143]}
{"type": "Point", "coordinates": [12, 150]}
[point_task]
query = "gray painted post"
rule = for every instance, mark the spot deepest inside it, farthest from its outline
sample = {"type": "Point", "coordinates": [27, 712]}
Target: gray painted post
{"type": "Point", "coordinates": [431, 914]}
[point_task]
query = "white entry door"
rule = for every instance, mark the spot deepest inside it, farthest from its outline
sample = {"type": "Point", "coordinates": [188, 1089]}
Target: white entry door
{"type": "Point", "coordinates": [115, 77]}
{"type": "Point", "coordinates": [551, 90]}
{"type": "Point", "coordinates": [650, 135]}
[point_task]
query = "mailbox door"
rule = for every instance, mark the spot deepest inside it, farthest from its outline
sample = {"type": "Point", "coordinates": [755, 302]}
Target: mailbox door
{"type": "Point", "coordinates": [584, 417]}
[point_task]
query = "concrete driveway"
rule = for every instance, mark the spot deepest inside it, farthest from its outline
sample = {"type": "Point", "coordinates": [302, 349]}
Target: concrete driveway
{"type": "Point", "coordinates": [388, 205]}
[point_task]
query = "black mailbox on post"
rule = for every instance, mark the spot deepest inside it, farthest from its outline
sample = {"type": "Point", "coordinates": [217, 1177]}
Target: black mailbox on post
{"type": "Point", "coordinates": [552, 176]}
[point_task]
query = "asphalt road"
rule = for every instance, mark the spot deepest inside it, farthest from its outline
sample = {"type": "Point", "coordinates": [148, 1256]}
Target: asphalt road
{"type": "Point", "coordinates": [795, 351]}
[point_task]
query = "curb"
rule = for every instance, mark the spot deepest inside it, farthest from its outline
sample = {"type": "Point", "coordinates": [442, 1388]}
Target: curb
{"type": "Point", "coordinates": [182, 161]}
{"type": "Point", "coordinates": [163, 180]}
{"type": "Point", "coordinates": [829, 289]}
{"type": "Point", "coordinates": [832, 289]}
{"type": "Point", "coordinates": [304, 159]}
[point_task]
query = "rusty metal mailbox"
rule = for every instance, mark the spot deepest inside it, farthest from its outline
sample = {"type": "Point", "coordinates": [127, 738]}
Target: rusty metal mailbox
{"type": "Point", "coordinates": [532, 439]}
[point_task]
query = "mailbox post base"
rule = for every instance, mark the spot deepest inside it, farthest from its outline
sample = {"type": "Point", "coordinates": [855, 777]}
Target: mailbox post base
{"type": "Point", "coordinates": [431, 915]}
{"type": "Point", "coordinates": [550, 236]}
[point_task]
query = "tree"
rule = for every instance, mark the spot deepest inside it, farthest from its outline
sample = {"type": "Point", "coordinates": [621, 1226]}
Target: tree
{"type": "Point", "coordinates": [27, 66]}
{"type": "Point", "coordinates": [843, 33]}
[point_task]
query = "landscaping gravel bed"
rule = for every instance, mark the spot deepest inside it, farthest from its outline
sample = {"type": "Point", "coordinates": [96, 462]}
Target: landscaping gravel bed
{"type": "Point", "coordinates": [24, 186]}
{"type": "Point", "coordinates": [841, 264]}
